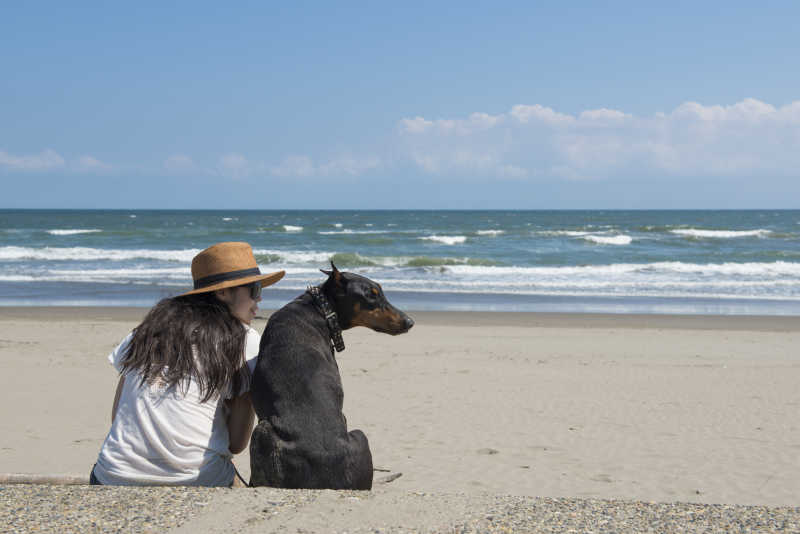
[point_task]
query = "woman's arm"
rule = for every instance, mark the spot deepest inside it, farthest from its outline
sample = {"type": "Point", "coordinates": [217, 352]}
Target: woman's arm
{"type": "Point", "coordinates": [240, 422]}
{"type": "Point", "coordinates": [120, 384]}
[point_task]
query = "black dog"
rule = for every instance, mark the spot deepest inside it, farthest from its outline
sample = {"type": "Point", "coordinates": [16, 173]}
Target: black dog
{"type": "Point", "coordinates": [301, 440]}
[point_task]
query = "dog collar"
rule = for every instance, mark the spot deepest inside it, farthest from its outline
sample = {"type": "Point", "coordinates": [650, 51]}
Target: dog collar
{"type": "Point", "coordinates": [325, 309]}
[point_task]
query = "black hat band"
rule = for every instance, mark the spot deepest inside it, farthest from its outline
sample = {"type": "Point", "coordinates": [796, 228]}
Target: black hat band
{"type": "Point", "coordinates": [224, 277]}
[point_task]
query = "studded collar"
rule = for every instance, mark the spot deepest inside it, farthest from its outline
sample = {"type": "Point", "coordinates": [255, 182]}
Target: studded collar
{"type": "Point", "coordinates": [324, 307]}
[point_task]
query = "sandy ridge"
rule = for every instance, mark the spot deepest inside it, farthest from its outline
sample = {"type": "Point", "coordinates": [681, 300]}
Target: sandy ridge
{"type": "Point", "coordinates": [87, 509]}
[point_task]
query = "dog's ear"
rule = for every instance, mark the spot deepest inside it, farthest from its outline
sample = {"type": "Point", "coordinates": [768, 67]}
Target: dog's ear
{"type": "Point", "coordinates": [334, 274]}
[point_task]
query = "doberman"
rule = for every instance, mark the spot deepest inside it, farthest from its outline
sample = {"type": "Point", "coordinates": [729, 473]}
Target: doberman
{"type": "Point", "coordinates": [301, 440]}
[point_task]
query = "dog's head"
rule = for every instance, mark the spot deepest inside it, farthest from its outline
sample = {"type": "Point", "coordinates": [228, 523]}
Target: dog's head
{"type": "Point", "coordinates": [358, 301]}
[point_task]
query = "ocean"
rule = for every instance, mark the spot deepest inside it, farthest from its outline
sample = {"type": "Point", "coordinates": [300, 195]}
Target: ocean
{"type": "Point", "coordinates": [695, 262]}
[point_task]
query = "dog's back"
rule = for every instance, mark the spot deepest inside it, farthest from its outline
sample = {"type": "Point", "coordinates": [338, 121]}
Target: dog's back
{"type": "Point", "coordinates": [301, 440]}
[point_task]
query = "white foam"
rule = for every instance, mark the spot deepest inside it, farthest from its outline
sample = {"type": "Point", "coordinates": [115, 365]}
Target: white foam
{"type": "Point", "coordinates": [609, 240]}
{"type": "Point", "coordinates": [226, 219]}
{"type": "Point", "coordinates": [338, 225]}
{"type": "Point", "coordinates": [490, 232]}
{"type": "Point", "coordinates": [446, 239]}
{"type": "Point", "coordinates": [721, 234]}
{"type": "Point", "coordinates": [295, 256]}
{"type": "Point", "coordinates": [443, 288]}
{"type": "Point", "coordinates": [185, 256]}
{"type": "Point", "coordinates": [775, 280]}
{"type": "Point", "coordinates": [159, 276]}
{"type": "Point", "coordinates": [602, 284]}
{"type": "Point", "coordinates": [754, 269]}
{"type": "Point", "coordinates": [348, 231]}
{"type": "Point", "coordinates": [181, 276]}
{"type": "Point", "coordinates": [73, 231]}
{"type": "Point", "coordinates": [91, 254]}
{"type": "Point", "coordinates": [290, 228]}
{"type": "Point", "coordinates": [593, 237]}
{"type": "Point", "coordinates": [571, 233]}
{"type": "Point", "coordinates": [146, 272]}
{"type": "Point", "coordinates": [698, 291]}
{"type": "Point", "coordinates": [622, 272]}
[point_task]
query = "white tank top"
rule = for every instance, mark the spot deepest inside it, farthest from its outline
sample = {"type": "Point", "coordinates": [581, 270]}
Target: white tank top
{"type": "Point", "coordinates": [165, 436]}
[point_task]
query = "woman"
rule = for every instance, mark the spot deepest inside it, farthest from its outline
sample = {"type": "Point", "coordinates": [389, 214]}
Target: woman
{"type": "Point", "coordinates": [182, 407]}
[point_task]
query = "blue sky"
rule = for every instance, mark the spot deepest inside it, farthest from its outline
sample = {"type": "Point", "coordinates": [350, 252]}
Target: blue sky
{"type": "Point", "coordinates": [425, 105]}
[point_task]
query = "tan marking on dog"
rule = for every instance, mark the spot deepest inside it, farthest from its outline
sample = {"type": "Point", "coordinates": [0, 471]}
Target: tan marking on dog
{"type": "Point", "coordinates": [376, 318]}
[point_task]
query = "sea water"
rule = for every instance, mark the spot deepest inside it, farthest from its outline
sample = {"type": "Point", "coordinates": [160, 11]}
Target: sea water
{"type": "Point", "coordinates": [718, 262]}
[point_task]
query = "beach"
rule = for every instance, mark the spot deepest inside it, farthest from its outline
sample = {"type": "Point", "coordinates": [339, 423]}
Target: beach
{"type": "Point", "coordinates": [542, 409]}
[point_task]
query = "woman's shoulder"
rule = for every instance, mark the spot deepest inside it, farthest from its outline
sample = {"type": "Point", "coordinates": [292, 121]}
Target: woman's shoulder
{"type": "Point", "coordinates": [116, 355]}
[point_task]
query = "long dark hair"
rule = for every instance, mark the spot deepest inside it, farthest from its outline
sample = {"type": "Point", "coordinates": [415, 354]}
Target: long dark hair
{"type": "Point", "coordinates": [161, 347]}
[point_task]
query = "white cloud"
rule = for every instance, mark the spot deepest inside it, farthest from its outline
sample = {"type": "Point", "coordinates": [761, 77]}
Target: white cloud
{"type": "Point", "coordinates": [234, 166]}
{"type": "Point", "coordinates": [533, 140]}
{"type": "Point", "coordinates": [484, 121]}
{"type": "Point", "coordinates": [745, 138]}
{"type": "Point", "coordinates": [537, 113]}
{"type": "Point", "coordinates": [90, 164]}
{"type": "Point", "coordinates": [294, 166]}
{"type": "Point", "coordinates": [46, 160]}
{"type": "Point", "coordinates": [350, 165]}
{"type": "Point", "coordinates": [415, 125]}
{"type": "Point", "coordinates": [49, 160]}
{"type": "Point", "coordinates": [476, 122]}
{"type": "Point", "coordinates": [749, 109]}
{"type": "Point", "coordinates": [304, 166]}
{"type": "Point", "coordinates": [603, 114]}
{"type": "Point", "coordinates": [461, 160]}
{"type": "Point", "coordinates": [179, 163]}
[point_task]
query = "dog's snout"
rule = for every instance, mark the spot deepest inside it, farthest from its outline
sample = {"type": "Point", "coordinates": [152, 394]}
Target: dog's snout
{"type": "Point", "coordinates": [408, 322]}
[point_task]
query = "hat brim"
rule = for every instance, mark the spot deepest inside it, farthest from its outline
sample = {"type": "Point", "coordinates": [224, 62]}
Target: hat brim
{"type": "Point", "coordinates": [265, 279]}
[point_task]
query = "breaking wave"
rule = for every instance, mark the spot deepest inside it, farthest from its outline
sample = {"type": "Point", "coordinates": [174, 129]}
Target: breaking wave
{"type": "Point", "coordinates": [446, 239]}
{"type": "Point", "coordinates": [609, 240]}
{"type": "Point", "coordinates": [93, 254]}
{"type": "Point", "coordinates": [73, 232]}
{"type": "Point", "coordinates": [720, 234]}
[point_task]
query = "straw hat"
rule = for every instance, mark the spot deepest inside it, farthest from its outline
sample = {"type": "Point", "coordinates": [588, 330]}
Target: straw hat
{"type": "Point", "coordinates": [228, 265]}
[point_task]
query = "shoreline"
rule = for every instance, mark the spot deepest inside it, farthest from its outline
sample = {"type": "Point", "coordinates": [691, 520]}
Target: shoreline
{"type": "Point", "coordinates": [757, 323]}
{"type": "Point", "coordinates": [103, 295]}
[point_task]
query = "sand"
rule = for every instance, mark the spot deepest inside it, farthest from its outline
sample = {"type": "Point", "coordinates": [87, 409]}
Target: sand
{"type": "Point", "coordinates": [688, 409]}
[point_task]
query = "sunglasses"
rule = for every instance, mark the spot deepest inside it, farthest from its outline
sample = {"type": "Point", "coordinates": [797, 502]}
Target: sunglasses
{"type": "Point", "coordinates": [255, 290]}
